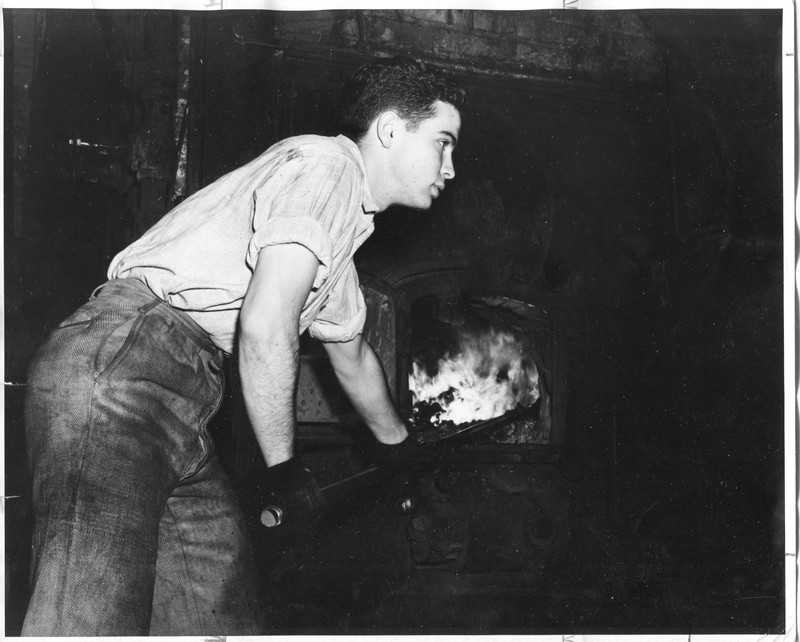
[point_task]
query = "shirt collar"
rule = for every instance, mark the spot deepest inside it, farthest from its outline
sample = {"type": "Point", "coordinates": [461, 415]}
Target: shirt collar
{"type": "Point", "coordinates": [367, 202]}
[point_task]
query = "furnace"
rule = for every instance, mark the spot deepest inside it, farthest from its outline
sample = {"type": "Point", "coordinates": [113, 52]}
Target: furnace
{"type": "Point", "coordinates": [460, 350]}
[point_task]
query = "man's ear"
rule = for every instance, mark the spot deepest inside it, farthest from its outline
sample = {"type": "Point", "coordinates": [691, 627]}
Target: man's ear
{"type": "Point", "coordinates": [386, 125]}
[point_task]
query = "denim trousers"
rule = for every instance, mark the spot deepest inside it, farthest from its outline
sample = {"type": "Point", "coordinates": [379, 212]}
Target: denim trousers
{"type": "Point", "coordinates": [137, 530]}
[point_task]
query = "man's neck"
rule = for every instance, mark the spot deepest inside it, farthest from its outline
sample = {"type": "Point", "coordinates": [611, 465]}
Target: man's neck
{"type": "Point", "coordinates": [374, 164]}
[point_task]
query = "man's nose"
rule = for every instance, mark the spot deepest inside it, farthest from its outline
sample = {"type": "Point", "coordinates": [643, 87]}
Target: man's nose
{"type": "Point", "coordinates": [448, 169]}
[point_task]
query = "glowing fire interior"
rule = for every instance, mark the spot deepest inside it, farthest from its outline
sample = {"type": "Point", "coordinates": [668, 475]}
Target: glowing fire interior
{"type": "Point", "coordinates": [488, 375]}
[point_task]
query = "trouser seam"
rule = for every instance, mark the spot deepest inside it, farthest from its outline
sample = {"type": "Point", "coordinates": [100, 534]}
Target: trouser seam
{"type": "Point", "coordinates": [187, 567]}
{"type": "Point", "coordinates": [70, 522]}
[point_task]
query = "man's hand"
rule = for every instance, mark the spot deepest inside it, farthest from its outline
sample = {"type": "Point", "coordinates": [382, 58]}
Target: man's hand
{"type": "Point", "coordinates": [290, 497]}
{"type": "Point", "coordinates": [409, 452]}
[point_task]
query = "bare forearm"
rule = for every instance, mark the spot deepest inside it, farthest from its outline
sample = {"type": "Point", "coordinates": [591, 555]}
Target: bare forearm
{"type": "Point", "coordinates": [269, 345]}
{"type": "Point", "coordinates": [363, 380]}
{"type": "Point", "coordinates": [268, 371]}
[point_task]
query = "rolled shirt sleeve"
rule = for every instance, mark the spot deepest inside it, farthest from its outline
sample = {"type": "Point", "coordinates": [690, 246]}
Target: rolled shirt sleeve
{"type": "Point", "coordinates": [344, 313]}
{"type": "Point", "coordinates": [304, 231]}
{"type": "Point", "coordinates": [309, 208]}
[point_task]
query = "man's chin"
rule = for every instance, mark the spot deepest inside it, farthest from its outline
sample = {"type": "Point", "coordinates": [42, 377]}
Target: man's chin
{"type": "Point", "coordinates": [419, 205]}
{"type": "Point", "coordinates": [419, 208]}
{"type": "Point", "coordinates": [426, 205]}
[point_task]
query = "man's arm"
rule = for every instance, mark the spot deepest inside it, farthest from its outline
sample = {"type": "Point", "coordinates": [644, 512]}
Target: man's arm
{"type": "Point", "coordinates": [360, 373]}
{"type": "Point", "coordinates": [269, 345]}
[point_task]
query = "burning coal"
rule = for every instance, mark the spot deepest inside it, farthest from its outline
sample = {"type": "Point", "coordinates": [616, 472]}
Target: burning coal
{"type": "Point", "coordinates": [488, 376]}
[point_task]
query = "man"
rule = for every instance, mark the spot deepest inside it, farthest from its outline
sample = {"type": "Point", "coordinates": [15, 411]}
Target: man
{"type": "Point", "coordinates": [137, 530]}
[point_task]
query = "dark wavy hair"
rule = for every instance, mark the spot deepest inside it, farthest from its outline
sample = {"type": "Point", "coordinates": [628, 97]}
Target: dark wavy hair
{"type": "Point", "coordinates": [407, 86]}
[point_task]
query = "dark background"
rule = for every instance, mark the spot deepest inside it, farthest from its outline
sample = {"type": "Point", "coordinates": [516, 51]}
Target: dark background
{"type": "Point", "coordinates": [630, 159]}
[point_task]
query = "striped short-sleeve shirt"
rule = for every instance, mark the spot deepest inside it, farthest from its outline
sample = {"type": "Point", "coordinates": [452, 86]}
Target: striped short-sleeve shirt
{"type": "Point", "coordinates": [200, 256]}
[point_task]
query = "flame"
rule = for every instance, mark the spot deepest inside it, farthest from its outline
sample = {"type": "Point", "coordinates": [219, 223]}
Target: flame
{"type": "Point", "coordinates": [486, 378]}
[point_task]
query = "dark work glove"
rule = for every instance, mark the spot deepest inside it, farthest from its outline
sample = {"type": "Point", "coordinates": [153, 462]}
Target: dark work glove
{"type": "Point", "coordinates": [404, 463]}
{"type": "Point", "coordinates": [408, 453]}
{"type": "Point", "coordinates": [290, 497]}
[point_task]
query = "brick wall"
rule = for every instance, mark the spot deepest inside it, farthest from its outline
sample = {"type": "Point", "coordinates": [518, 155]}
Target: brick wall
{"type": "Point", "coordinates": [581, 45]}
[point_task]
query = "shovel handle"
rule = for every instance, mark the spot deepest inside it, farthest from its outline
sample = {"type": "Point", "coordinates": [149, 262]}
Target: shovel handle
{"type": "Point", "coordinates": [272, 516]}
